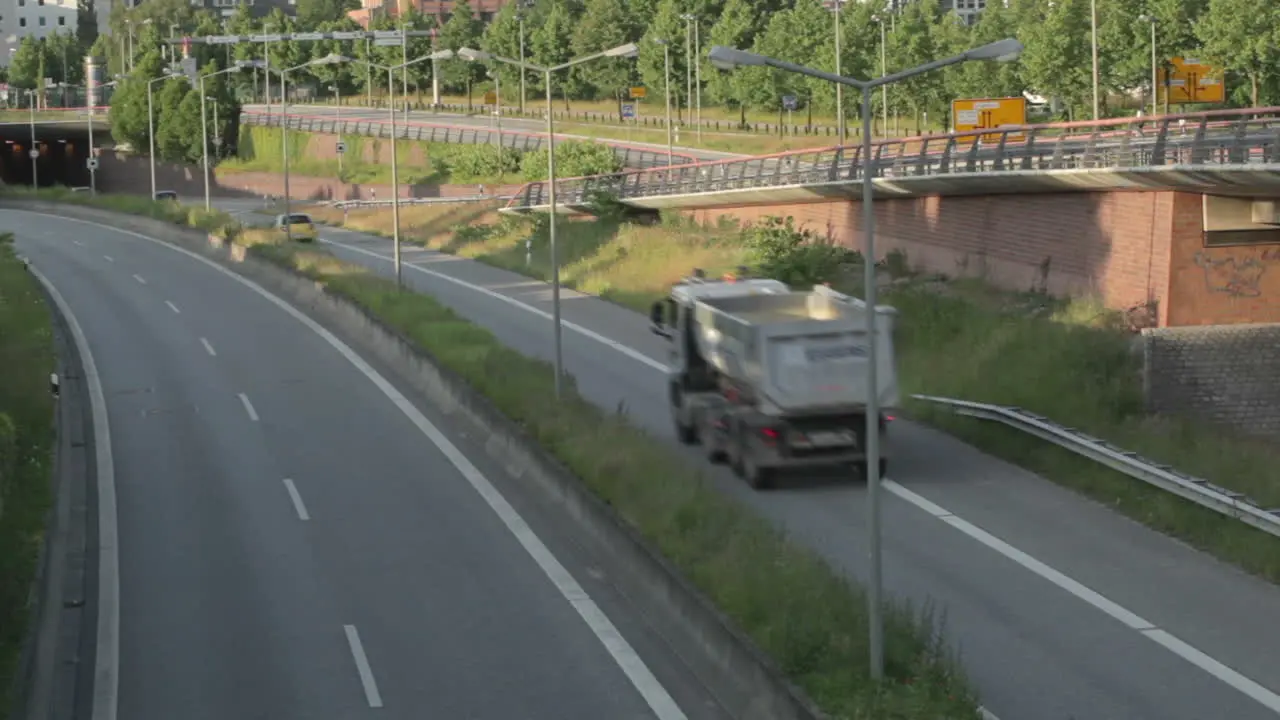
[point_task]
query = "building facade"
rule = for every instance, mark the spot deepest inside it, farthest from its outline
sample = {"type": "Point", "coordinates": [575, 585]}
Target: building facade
{"type": "Point", "coordinates": [39, 19]}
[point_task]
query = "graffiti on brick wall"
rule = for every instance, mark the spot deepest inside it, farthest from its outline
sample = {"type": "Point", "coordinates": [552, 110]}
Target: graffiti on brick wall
{"type": "Point", "coordinates": [1237, 277]}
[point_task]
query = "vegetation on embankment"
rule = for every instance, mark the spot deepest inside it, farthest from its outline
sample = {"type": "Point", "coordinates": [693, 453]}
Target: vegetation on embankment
{"type": "Point", "coordinates": [26, 444]}
{"type": "Point", "coordinates": [261, 149]}
{"type": "Point", "coordinates": [1069, 360]}
{"type": "Point", "coordinates": [811, 620]}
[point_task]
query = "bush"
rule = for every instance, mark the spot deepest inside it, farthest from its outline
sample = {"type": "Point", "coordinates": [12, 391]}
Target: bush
{"type": "Point", "coordinates": [574, 158]}
{"type": "Point", "coordinates": [468, 163]}
{"type": "Point", "coordinates": [796, 257]}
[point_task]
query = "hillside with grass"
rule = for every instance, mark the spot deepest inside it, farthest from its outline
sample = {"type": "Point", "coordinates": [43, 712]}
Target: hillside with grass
{"type": "Point", "coordinates": [1070, 360]}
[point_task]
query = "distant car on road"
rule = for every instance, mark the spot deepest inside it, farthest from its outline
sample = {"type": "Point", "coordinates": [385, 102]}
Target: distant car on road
{"type": "Point", "coordinates": [299, 225]}
{"type": "Point", "coordinates": [167, 195]}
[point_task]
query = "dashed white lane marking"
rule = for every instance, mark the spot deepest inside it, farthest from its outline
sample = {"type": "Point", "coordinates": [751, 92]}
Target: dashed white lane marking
{"type": "Point", "coordinates": [296, 497]}
{"type": "Point", "coordinates": [173, 307]}
{"type": "Point", "coordinates": [362, 666]}
{"type": "Point", "coordinates": [207, 347]}
{"type": "Point", "coordinates": [248, 407]}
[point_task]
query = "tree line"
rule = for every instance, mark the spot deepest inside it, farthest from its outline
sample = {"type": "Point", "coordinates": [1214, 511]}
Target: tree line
{"type": "Point", "coordinates": [1242, 36]}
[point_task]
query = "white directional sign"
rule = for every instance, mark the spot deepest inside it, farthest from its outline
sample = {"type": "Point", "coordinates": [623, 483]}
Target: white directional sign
{"type": "Point", "coordinates": [387, 42]}
{"type": "Point", "coordinates": [91, 163]}
{"type": "Point", "coordinates": [348, 35]}
{"type": "Point", "coordinates": [379, 34]}
{"type": "Point", "coordinates": [308, 36]}
{"type": "Point", "coordinates": [342, 147]}
{"type": "Point", "coordinates": [266, 38]}
{"type": "Point", "coordinates": [33, 153]}
{"type": "Point", "coordinates": [222, 39]}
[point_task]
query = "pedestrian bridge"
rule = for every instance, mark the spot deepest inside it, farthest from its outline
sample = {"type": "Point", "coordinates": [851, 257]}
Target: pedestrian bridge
{"type": "Point", "coordinates": [1230, 152]}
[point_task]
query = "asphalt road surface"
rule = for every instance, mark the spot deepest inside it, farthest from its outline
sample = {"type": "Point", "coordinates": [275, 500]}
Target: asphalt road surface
{"type": "Point", "coordinates": [1061, 608]}
{"type": "Point", "coordinates": [295, 543]}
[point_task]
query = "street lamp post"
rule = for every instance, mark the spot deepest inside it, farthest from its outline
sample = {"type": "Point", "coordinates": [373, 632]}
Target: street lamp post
{"type": "Point", "coordinates": [628, 50]}
{"type": "Point", "coordinates": [497, 97]}
{"type": "Point", "coordinates": [391, 116]}
{"type": "Point", "coordinates": [1093, 34]}
{"type": "Point", "coordinates": [688, 61]}
{"type": "Point", "coordinates": [666, 64]}
{"type": "Point", "coordinates": [151, 124]}
{"type": "Point", "coordinates": [728, 58]}
{"type": "Point", "coordinates": [337, 93]}
{"type": "Point", "coordinates": [1154, 63]}
{"type": "Point", "coordinates": [34, 152]}
{"type": "Point", "coordinates": [839, 87]}
{"type": "Point", "coordinates": [284, 128]}
{"type": "Point", "coordinates": [204, 124]}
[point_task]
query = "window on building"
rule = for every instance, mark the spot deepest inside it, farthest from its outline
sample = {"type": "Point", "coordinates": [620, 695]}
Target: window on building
{"type": "Point", "coordinates": [41, 22]}
{"type": "Point", "coordinates": [40, 2]}
{"type": "Point", "coordinates": [22, 22]}
{"type": "Point", "coordinates": [62, 19]}
{"type": "Point", "coordinates": [22, 3]}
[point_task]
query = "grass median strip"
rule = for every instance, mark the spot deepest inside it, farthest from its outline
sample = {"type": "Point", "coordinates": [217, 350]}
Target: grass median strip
{"type": "Point", "coordinates": [26, 444]}
{"type": "Point", "coordinates": [1069, 360]}
{"type": "Point", "coordinates": [795, 607]}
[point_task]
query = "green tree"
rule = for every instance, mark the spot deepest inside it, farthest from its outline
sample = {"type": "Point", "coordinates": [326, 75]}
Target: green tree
{"type": "Point", "coordinates": [736, 28]}
{"type": "Point", "coordinates": [502, 37]}
{"type": "Point", "coordinates": [461, 30]}
{"type": "Point", "coordinates": [1056, 61]}
{"type": "Point", "coordinates": [666, 25]}
{"type": "Point", "coordinates": [86, 22]}
{"type": "Point", "coordinates": [604, 24]}
{"type": "Point", "coordinates": [128, 113]}
{"type": "Point", "coordinates": [552, 41]}
{"type": "Point", "coordinates": [347, 77]}
{"type": "Point", "coordinates": [173, 137]}
{"type": "Point", "coordinates": [982, 80]}
{"type": "Point", "coordinates": [314, 13]}
{"type": "Point", "coordinates": [24, 67]}
{"type": "Point", "coordinates": [1243, 36]}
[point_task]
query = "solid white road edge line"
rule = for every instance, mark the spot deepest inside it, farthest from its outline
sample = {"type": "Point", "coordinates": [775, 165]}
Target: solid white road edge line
{"type": "Point", "coordinates": [362, 666]}
{"type": "Point", "coordinates": [207, 347]}
{"type": "Point", "coordinates": [106, 677]}
{"type": "Point", "coordinates": [297, 499]}
{"type": "Point", "coordinates": [654, 694]}
{"type": "Point", "coordinates": [173, 307]}
{"type": "Point", "coordinates": [1231, 678]}
{"type": "Point", "coordinates": [108, 258]}
{"type": "Point", "coordinates": [248, 407]}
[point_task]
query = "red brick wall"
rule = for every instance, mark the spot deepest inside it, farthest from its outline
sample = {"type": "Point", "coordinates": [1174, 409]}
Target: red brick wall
{"type": "Point", "coordinates": [1220, 285]}
{"type": "Point", "coordinates": [1113, 244]}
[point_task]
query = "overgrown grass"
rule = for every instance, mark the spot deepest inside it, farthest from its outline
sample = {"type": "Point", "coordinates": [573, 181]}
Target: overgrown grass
{"type": "Point", "coordinates": [26, 444]}
{"type": "Point", "coordinates": [1067, 360]}
{"type": "Point", "coordinates": [809, 619]}
{"type": "Point", "coordinates": [261, 149]}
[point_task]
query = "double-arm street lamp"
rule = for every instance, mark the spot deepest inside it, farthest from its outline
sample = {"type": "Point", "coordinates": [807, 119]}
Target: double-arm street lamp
{"type": "Point", "coordinates": [622, 51]}
{"type": "Point", "coordinates": [727, 58]}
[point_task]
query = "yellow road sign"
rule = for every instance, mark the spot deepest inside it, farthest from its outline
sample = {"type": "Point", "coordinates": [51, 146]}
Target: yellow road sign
{"type": "Point", "coordinates": [637, 93]}
{"type": "Point", "coordinates": [984, 113]}
{"type": "Point", "coordinates": [1190, 81]}
{"type": "Point", "coordinates": [491, 98]}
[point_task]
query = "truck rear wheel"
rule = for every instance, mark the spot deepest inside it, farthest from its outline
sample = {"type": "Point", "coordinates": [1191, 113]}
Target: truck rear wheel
{"type": "Point", "coordinates": [686, 434]}
{"type": "Point", "coordinates": [757, 477]}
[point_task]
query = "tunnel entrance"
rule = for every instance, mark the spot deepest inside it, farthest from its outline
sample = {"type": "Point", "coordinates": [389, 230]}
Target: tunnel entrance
{"type": "Point", "coordinates": [61, 155]}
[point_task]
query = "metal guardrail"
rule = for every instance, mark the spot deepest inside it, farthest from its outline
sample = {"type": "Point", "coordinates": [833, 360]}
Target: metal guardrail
{"type": "Point", "coordinates": [1227, 137]}
{"type": "Point", "coordinates": [1198, 490]}
{"type": "Point", "coordinates": [629, 156]}
{"type": "Point", "coordinates": [349, 204]}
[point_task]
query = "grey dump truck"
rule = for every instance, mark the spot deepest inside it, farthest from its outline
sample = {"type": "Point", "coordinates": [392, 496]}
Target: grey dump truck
{"type": "Point", "coordinates": [768, 378]}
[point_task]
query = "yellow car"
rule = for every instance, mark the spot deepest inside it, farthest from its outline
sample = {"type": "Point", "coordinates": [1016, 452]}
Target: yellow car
{"type": "Point", "coordinates": [298, 225]}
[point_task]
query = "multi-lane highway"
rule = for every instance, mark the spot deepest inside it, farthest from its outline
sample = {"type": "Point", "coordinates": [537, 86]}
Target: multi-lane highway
{"type": "Point", "coordinates": [297, 539]}
{"type": "Point", "coordinates": [1060, 608]}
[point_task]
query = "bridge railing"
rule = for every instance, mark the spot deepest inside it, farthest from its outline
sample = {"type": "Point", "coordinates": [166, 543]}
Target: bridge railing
{"type": "Point", "coordinates": [1227, 137]}
{"type": "Point", "coordinates": [629, 155]}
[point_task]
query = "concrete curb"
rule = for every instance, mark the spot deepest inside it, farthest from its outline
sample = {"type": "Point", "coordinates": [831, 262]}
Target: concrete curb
{"type": "Point", "coordinates": [745, 680]}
